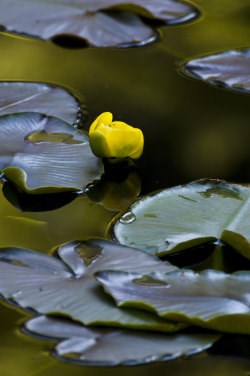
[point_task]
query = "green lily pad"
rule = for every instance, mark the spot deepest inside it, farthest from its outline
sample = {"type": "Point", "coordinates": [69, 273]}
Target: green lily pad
{"type": "Point", "coordinates": [88, 19]}
{"type": "Point", "coordinates": [185, 216]}
{"type": "Point", "coordinates": [230, 69]}
{"type": "Point", "coordinates": [212, 299]}
{"type": "Point", "coordinates": [112, 347]}
{"type": "Point", "coordinates": [41, 154]}
{"type": "Point", "coordinates": [70, 289]}
{"type": "Point", "coordinates": [16, 97]}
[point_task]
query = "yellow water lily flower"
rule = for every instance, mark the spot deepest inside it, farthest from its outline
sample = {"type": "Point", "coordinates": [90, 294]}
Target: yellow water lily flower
{"type": "Point", "coordinates": [115, 139]}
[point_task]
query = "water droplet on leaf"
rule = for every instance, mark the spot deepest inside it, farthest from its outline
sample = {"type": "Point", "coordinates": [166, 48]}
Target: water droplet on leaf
{"type": "Point", "coordinates": [17, 293]}
{"type": "Point", "coordinates": [128, 218]}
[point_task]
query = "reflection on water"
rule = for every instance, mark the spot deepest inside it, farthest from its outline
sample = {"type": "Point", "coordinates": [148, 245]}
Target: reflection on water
{"type": "Point", "coordinates": [191, 131]}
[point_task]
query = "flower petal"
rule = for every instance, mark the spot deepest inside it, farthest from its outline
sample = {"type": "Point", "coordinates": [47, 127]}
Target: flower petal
{"type": "Point", "coordinates": [99, 145]}
{"type": "Point", "coordinates": [122, 143]}
{"type": "Point", "coordinates": [105, 118]}
{"type": "Point", "coordinates": [140, 144]}
{"type": "Point", "coordinates": [115, 139]}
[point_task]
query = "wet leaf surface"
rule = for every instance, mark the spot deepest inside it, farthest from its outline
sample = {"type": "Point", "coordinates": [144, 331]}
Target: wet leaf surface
{"type": "Point", "coordinates": [230, 69]}
{"type": "Point", "coordinates": [185, 216]}
{"type": "Point", "coordinates": [88, 19]}
{"type": "Point", "coordinates": [70, 289]}
{"type": "Point", "coordinates": [168, 11]}
{"type": "Point", "coordinates": [212, 299]}
{"type": "Point", "coordinates": [61, 162]}
{"type": "Point", "coordinates": [16, 97]}
{"type": "Point", "coordinates": [110, 347]}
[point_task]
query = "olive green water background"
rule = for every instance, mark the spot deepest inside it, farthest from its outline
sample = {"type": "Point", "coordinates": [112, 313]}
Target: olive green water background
{"type": "Point", "coordinates": [191, 130]}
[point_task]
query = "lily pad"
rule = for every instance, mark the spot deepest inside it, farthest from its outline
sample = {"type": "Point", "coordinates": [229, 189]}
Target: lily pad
{"type": "Point", "coordinates": [46, 99]}
{"type": "Point", "coordinates": [111, 347]}
{"type": "Point", "coordinates": [212, 299]}
{"type": "Point", "coordinates": [43, 154]}
{"type": "Point", "coordinates": [168, 11]}
{"type": "Point", "coordinates": [86, 19]}
{"type": "Point", "coordinates": [230, 69]}
{"type": "Point", "coordinates": [70, 289]}
{"type": "Point", "coordinates": [185, 216]}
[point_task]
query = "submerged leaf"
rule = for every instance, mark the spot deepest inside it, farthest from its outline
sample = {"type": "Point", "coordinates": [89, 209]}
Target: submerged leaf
{"type": "Point", "coordinates": [110, 347]}
{"type": "Point", "coordinates": [38, 166]}
{"type": "Point", "coordinates": [71, 289]}
{"type": "Point", "coordinates": [42, 230]}
{"type": "Point", "coordinates": [230, 69]}
{"type": "Point", "coordinates": [16, 97]}
{"type": "Point", "coordinates": [212, 299]}
{"type": "Point", "coordinates": [86, 19]}
{"type": "Point", "coordinates": [184, 216]}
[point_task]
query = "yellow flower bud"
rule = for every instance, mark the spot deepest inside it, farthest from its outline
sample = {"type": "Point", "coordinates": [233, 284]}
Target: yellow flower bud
{"type": "Point", "coordinates": [115, 139]}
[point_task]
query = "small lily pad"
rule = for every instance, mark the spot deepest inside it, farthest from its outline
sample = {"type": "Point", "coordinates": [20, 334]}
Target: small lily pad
{"type": "Point", "coordinates": [90, 20]}
{"type": "Point", "coordinates": [41, 154]}
{"type": "Point", "coordinates": [212, 299]}
{"type": "Point", "coordinates": [112, 347]}
{"type": "Point", "coordinates": [70, 289]}
{"type": "Point", "coordinates": [185, 216]}
{"type": "Point", "coordinates": [51, 100]}
{"type": "Point", "coordinates": [230, 69]}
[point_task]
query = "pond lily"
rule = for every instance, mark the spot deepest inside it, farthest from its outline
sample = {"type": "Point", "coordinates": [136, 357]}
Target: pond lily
{"type": "Point", "coordinates": [115, 139]}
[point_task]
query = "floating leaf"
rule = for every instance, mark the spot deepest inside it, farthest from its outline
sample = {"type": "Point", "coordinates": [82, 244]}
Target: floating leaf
{"type": "Point", "coordinates": [230, 69]}
{"type": "Point", "coordinates": [169, 11]}
{"type": "Point", "coordinates": [212, 299]}
{"type": "Point", "coordinates": [74, 292]}
{"type": "Point", "coordinates": [46, 99]}
{"type": "Point", "coordinates": [81, 18]}
{"type": "Point", "coordinates": [111, 347]}
{"type": "Point", "coordinates": [189, 215]}
{"type": "Point", "coordinates": [63, 162]}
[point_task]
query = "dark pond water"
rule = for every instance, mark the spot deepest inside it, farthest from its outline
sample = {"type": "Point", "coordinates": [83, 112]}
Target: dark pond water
{"type": "Point", "coordinates": [191, 131]}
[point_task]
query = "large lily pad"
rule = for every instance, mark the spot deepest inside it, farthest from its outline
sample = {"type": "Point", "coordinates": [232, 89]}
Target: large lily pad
{"type": "Point", "coordinates": [212, 299]}
{"type": "Point", "coordinates": [16, 97]}
{"type": "Point", "coordinates": [189, 215]}
{"type": "Point", "coordinates": [110, 347]}
{"type": "Point", "coordinates": [43, 154]}
{"type": "Point", "coordinates": [68, 288]}
{"type": "Point", "coordinates": [230, 69]}
{"type": "Point", "coordinates": [86, 19]}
